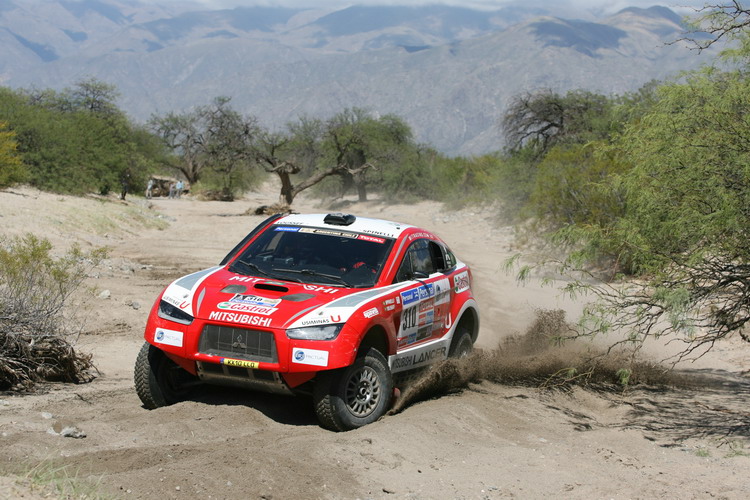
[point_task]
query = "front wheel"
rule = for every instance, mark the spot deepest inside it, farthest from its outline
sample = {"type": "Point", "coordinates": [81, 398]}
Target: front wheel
{"type": "Point", "coordinates": [356, 395]}
{"type": "Point", "coordinates": [159, 381]}
{"type": "Point", "coordinates": [462, 343]}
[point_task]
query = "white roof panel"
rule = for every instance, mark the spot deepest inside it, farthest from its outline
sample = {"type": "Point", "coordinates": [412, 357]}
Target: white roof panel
{"type": "Point", "coordinates": [364, 225]}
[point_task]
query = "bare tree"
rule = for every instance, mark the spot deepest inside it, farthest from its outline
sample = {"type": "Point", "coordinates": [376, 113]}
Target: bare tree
{"type": "Point", "coordinates": [182, 134]}
{"type": "Point", "coordinates": [717, 23]}
{"type": "Point", "coordinates": [545, 118]}
{"type": "Point", "coordinates": [281, 155]}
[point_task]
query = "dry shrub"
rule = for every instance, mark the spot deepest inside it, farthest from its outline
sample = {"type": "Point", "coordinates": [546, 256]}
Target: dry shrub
{"type": "Point", "coordinates": [276, 208]}
{"type": "Point", "coordinates": [543, 358]}
{"type": "Point", "coordinates": [38, 320]}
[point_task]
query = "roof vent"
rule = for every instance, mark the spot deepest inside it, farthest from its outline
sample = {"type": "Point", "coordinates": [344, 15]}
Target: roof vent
{"type": "Point", "coordinates": [339, 219]}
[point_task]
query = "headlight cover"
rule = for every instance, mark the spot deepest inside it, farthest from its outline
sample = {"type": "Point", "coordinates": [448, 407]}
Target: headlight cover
{"type": "Point", "coordinates": [323, 332]}
{"type": "Point", "coordinates": [169, 312]}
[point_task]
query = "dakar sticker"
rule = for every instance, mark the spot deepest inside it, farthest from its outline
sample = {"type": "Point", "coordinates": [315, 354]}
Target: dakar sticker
{"type": "Point", "coordinates": [241, 363]}
{"type": "Point", "coordinates": [461, 281]}
{"type": "Point", "coordinates": [254, 299]}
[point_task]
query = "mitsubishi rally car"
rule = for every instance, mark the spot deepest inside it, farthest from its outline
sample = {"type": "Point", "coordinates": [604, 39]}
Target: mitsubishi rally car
{"type": "Point", "coordinates": [336, 306]}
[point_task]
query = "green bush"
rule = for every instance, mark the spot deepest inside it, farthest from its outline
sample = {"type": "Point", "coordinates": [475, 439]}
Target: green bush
{"type": "Point", "coordinates": [12, 169]}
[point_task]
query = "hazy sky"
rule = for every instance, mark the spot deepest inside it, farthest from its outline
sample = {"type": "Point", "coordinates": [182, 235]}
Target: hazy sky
{"type": "Point", "coordinates": [599, 6]}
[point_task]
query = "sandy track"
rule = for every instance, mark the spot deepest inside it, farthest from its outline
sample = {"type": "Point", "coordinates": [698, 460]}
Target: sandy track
{"type": "Point", "coordinates": [490, 441]}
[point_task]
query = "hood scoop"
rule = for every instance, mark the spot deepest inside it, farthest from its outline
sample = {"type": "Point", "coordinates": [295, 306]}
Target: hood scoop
{"type": "Point", "coordinates": [234, 289]}
{"type": "Point", "coordinates": [272, 287]}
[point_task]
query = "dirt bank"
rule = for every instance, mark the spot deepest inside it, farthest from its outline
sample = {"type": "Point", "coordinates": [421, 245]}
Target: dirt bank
{"type": "Point", "coordinates": [488, 441]}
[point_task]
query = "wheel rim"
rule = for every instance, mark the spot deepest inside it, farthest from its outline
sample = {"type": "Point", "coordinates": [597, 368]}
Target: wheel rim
{"type": "Point", "coordinates": [363, 392]}
{"type": "Point", "coordinates": [464, 349]}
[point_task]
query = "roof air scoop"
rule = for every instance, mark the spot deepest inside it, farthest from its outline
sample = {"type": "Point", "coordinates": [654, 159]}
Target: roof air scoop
{"type": "Point", "coordinates": [339, 219]}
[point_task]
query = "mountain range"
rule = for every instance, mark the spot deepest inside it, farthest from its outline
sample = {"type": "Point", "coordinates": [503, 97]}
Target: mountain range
{"type": "Point", "coordinates": [449, 72]}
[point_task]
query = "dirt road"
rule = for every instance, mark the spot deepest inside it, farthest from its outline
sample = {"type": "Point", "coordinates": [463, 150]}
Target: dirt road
{"type": "Point", "coordinates": [489, 441]}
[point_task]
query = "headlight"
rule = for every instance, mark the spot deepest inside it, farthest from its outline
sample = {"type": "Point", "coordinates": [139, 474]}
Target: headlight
{"type": "Point", "coordinates": [172, 313]}
{"type": "Point", "coordinates": [325, 332]}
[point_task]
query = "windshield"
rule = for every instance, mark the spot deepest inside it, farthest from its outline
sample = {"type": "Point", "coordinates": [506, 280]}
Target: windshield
{"type": "Point", "coordinates": [314, 255]}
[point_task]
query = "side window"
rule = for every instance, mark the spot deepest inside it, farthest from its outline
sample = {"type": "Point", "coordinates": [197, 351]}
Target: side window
{"type": "Point", "coordinates": [450, 259]}
{"type": "Point", "coordinates": [423, 257]}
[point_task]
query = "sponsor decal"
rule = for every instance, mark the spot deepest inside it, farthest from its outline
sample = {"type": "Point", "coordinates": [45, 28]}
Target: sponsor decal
{"type": "Point", "coordinates": [442, 291]}
{"type": "Point", "coordinates": [327, 232]}
{"type": "Point", "coordinates": [245, 279]}
{"type": "Point", "coordinates": [420, 293]}
{"type": "Point", "coordinates": [415, 236]}
{"type": "Point", "coordinates": [426, 305]}
{"type": "Point", "coordinates": [379, 233]}
{"type": "Point", "coordinates": [424, 309]}
{"type": "Point", "coordinates": [461, 282]}
{"type": "Point", "coordinates": [254, 299]}
{"type": "Point", "coordinates": [322, 289]}
{"type": "Point", "coordinates": [370, 238]}
{"type": "Point", "coordinates": [426, 317]}
{"type": "Point", "coordinates": [413, 360]}
{"type": "Point", "coordinates": [371, 312]}
{"type": "Point", "coordinates": [248, 308]}
{"type": "Point", "coordinates": [245, 319]}
{"type": "Point", "coordinates": [320, 321]}
{"type": "Point", "coordinates": [407, 340]}
{"type": "Point", "coordinates": [290, 229]}
{"type": "Point", "coordinates": [168, 337]}
{"type": "Point", "coordinates": [240, 363]}
{"type": "Point", "coordinates": [389, 308]}
{"type": "Point", "coordinates": [171, 300]}
{"type": "Point", "coordinates": [410, 296]}
{"type": "Point", "coordinates": [313, 357]}
{"type": "Point", "coordinates": [423, 333]}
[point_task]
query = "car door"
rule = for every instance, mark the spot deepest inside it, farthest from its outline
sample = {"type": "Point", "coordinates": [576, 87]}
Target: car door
{"type": "Point", "coordinates": [425, 301]}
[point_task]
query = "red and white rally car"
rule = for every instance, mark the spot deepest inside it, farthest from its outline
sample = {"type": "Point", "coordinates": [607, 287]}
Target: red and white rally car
{"type": "Point", "coordinates": [335, 305]}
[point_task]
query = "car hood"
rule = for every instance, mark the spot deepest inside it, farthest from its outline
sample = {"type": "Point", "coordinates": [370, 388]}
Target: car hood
{"type": "Point", "coordinates": [216, 294]}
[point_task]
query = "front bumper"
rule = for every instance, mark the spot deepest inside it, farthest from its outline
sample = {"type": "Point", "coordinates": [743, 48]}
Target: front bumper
{"type": "Point", "coordinates": [224, 352]}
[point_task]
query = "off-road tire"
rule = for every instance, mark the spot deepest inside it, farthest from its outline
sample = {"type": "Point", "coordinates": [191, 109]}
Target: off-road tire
{"type": "Point", "coordinates": [354, 396]}
{"type": "Point", "coordinates": [159, 381]}
{"type": "Point", "coordinates": [462, 343]}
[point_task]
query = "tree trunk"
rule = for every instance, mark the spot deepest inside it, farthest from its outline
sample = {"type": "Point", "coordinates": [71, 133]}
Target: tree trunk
{"type": "Point", "coordinates": [359, 181]}
{"type": "Point", "coordinates": [286, 196]}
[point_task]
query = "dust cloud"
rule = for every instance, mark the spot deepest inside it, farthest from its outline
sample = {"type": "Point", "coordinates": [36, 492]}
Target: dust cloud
{"type": "Point", "coordinates": [544, 357]}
